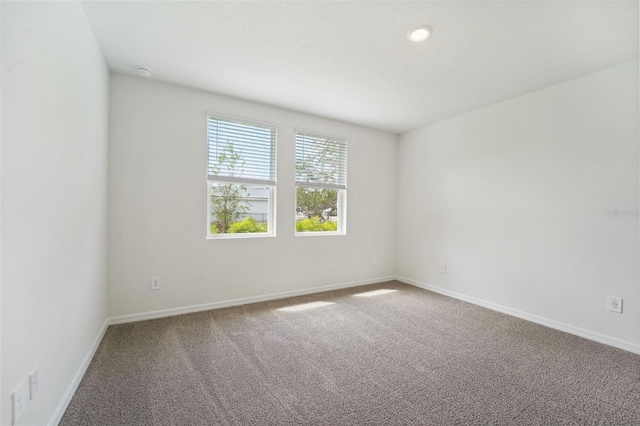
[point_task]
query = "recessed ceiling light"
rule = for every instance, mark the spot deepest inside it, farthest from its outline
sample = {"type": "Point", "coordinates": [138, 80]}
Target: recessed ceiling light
{"type": "Point", "coordinates": [144, 72]}
{"type": "Point", "coordinates": [420, 33]}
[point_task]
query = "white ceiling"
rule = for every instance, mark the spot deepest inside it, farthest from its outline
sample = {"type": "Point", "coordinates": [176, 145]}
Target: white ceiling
{"type": "Point", "coordinates": [352, 61]}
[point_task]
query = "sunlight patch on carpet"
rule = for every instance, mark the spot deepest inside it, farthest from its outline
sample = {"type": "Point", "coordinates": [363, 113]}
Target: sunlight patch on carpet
{"type": "Point", "coordinates": [374, 293]}
{"type": "Point", "coordinates": [305, 306]}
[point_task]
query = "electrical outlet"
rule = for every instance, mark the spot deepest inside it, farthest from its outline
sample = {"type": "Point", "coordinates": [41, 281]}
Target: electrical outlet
{"type": "Point", "coordinates": [34, 384]}
{"type": "Point", "coordinates": [614, 304]}
{"type": "Point", "coordinates": [19, 402]}
{"type": "Point", "coordinates": [443, 267]}
{"type": "Point", "coordinates": [155, 283]}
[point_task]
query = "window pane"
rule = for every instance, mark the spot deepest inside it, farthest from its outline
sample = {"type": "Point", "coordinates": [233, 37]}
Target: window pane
{"type": "Point", "coordinates": [317, 210]}
{"type": "Point", "coordinates": [238, 209]}
{"type": "Point", "coordinates": [321, 161]}
{"type": "Point", "coordinates": [241, 152]}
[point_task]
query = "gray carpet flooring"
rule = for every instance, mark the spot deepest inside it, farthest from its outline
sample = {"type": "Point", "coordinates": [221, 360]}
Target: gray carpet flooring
{"type": "Point", "coordinates": [407, 357]}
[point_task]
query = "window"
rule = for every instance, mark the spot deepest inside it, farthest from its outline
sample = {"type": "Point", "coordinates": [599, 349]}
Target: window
{"type": "Point", "coordinates": [321, 184]}
{"type": "Point", "coordinates": [241, 178]}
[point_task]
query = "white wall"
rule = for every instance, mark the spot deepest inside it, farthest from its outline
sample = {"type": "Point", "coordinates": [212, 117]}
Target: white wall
{"type": "Point", "coordinates": [1, 70]}
{"type": "Point", "coordinates": [512, 198]}
{"type": "Point", "coordinates": [157, 205]}
{"type": "Point", "coordinates": [54, 188]}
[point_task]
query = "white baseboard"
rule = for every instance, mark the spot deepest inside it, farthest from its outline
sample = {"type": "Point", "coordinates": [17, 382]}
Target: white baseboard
{"type": "Point", "coordinates": [71, 390]}
{"type": "Point", "coordinates": [122, 319]}
{"type": "Point", "coordinates": [557, 325]}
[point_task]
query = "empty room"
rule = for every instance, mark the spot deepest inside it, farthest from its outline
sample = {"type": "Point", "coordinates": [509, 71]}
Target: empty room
{"type": "Point", "coordinates": [319, 212]}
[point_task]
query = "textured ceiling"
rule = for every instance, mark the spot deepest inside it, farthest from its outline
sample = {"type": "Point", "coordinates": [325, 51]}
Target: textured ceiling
{"type": "Point", "coordinates": [352, 61]}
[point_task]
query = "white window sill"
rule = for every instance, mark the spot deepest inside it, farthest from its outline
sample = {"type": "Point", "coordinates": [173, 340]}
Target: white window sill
{"type": "Point", "coordinates": [239, 236]}
{"type": "Point", "coordinates": [319, 233]}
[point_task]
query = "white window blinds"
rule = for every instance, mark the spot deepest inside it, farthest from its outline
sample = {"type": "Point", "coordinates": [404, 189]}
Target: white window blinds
{"type": "Point", "coordinates": [321, 162]}
{"type": "Point", "coordinates": [241, 152]}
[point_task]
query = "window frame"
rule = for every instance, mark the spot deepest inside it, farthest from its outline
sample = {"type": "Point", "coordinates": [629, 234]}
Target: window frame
{"type": "Point", "coordinates": [271, 207]}
{"type": "Point", "coordinates": [341, 192]}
